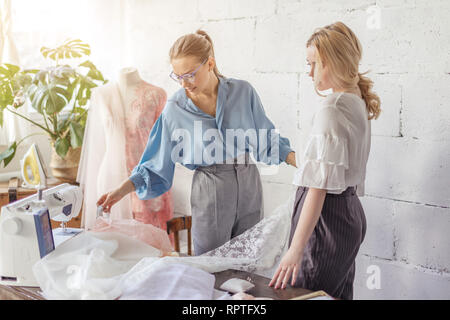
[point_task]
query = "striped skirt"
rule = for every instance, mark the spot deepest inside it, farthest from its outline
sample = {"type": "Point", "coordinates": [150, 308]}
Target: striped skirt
{"type": "Point", "coordinates": [329, 257]}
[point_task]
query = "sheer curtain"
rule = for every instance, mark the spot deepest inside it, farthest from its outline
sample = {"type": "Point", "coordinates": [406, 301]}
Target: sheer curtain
{"type": "Point", "coordinates": [14, 128]}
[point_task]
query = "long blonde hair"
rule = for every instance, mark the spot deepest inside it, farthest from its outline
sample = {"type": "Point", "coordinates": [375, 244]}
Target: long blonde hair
{"type": "Point", "coordinates": [338, 47]}
{"type": "Point", "coordinates": [198, 44]}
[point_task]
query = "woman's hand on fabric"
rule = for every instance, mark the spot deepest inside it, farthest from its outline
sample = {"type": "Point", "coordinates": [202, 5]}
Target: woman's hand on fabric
{"type": "Point", "coordinates": [288, 269]}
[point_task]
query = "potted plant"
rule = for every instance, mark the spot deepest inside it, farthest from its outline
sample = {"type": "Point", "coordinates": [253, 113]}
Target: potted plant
{"type": "Point", "coordinates": [59, 94]}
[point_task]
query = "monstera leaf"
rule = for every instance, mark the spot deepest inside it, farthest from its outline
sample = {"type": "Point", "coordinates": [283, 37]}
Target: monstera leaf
{"type": "Point", "coordinates": [7, 94]}
{"type": "Point", "coordinates": [76, 134]}
{"type": "Point", "coordinates": [93, 73]}
{"type": "Point", "coordinates": [12, 85]}
{"type": "Point", "coordinates": [49, 98]}
{"type": "Point", "coordinates": [68, 50]}
{"type": "Point", "coordinates": [62, 147]}
{"type": "Point", "coordinates": [8, 70]}
{"type": "Point", "coordinates": [7, 155]}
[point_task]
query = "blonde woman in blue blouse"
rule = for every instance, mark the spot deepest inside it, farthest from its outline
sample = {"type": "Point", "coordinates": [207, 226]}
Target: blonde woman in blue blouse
{"type": "Point", "coordinates": [197, 129]}
{"type": "Point", "coordinates": [328, 223]}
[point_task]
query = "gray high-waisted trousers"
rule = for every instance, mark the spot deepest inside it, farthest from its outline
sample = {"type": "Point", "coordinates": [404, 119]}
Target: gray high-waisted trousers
{"type": "Point", "coordinates": [329, 257]}
{"type": "Point", "coordinates": [226, 200]}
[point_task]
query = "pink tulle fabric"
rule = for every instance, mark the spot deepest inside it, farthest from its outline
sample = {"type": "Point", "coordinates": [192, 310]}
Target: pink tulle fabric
{"type": "Point", "coordinates": [144, 112]}
{"type": "Point", "coordinates": [147, 233]}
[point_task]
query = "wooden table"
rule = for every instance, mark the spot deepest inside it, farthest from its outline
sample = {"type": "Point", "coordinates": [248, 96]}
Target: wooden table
{"type": "Point", "coordinates": [20, 293]}
{"type": "Point", "coordinates": [261, 288]}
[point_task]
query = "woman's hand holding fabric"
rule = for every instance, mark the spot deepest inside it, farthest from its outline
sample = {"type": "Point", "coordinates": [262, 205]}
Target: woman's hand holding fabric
{"type": "Point", "coordinates": [111, 198]}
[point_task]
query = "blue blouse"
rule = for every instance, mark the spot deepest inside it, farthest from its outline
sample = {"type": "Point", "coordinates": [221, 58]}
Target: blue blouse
{"type": "Point", "coordinates": [183, 133]}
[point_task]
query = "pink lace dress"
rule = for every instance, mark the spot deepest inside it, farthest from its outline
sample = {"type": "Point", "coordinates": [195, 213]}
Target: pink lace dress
{"type": "Point", "coordinates": [114, 140]}
{"type": "Point", "coordinates": [139, 121]}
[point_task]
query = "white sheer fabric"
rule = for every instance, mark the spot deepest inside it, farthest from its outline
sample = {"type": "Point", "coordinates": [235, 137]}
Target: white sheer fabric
{"type": "Point", "coordinates": [115, 138]}
{"type": "Point", "coordinates": [107, 265]}
{"type": "Point", "coordinates": [169, 281]}
{"type": "Point", "coordinates": [338, 148]}
{"type": "Point", "coordinates": [14, 128]}
{"type": "Point", "coordinates": [8, 49]}
{"type": "Point", "coordinates": [103, 163]}
{"type": "Point", "coordinates": [90, 266]}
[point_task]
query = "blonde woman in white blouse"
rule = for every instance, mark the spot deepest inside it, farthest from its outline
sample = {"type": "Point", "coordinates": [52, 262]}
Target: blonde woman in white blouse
{"type": "Point", "coordinates": [328, 222]}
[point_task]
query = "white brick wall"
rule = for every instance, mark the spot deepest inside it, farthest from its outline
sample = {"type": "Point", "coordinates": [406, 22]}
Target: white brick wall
{"type": "Point", "coordinates": [407, 50]}
{"type": "Point", "coordinates": [406, 47]}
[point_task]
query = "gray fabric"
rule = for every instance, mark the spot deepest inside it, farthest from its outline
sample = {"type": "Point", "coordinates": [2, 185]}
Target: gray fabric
{"type": "Point", "coordinates": [329, 257]}
{"type": "Point", "coordinates": [226, 200]}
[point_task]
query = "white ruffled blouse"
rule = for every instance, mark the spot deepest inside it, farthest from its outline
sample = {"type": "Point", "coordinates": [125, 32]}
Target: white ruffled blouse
{"type": "Point", "coordinates": [338, 148]}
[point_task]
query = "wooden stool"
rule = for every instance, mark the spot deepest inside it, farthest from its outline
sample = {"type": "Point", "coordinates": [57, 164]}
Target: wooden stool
{"type": "Point", "coordinates": [177, 224]}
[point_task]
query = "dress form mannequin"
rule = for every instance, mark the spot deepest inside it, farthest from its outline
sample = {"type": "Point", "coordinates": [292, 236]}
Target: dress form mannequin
{"type": "Point", "coordinates": [121, 116]}
{"type": "Point", "coordinates": [142, 103]}
{"type": "Point", "coordinates": [128, 79]}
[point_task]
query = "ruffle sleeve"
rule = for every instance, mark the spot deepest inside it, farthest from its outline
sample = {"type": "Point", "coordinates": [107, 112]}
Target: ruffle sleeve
{"type": "Point", "coordinates": [326, 157]}
{"type": "Point", "coordinates": [324, 163]}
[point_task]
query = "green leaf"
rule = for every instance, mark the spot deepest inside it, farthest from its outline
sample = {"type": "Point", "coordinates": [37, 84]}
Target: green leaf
{"type": "Point", "coordinates": [7, 155]}
{"type": "Point", "coordinates": [34, 71]}
{"type": "Point", "coordinates": [21, 80]}
{"type": "Point", "coordinates": [4, 71]}
{"type": "Point", "coordinates": [45, 51]}
{"type": "Point", "coordinates": [93, 73]}
{"type": "Point", "coordinates": [62, 147]}
{"type": "Point", "coordinates": [69, 49]}
{"type": "Point", "coordinates": [10, 83]}
{"type": "Point", "coordinates": [96, 75]}
{"type": "Point", "coordinates": [41, 77]}
{"type": "Point", "coordinates": [13, 69]}
{"type": "Point", "coordinates": [37, 95]}
{"type": "Point", "coordinates": [55, 99]}
{"type": "Point", "coordinates": [9, 70]}
{"type": "Point", "coordinates": [53, 55]}
{"type": "Point", "coordinates": [88, 64]}
{"type": "Point", "coordinates": [76, 134]}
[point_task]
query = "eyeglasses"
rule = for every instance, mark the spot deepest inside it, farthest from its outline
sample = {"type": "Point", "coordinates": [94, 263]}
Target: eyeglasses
{"type": "Point", "coordinates": [189, 77]}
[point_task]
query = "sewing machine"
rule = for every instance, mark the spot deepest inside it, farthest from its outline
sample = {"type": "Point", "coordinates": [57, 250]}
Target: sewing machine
{"type": "Point", "coordinates": [26, 234]}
